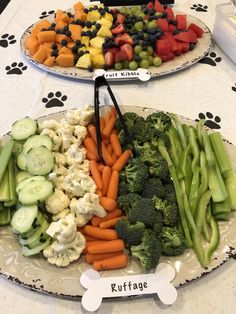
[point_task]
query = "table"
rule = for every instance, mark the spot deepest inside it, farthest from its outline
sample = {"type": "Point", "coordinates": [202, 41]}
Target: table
{"type": "Point", "coordinates": [208, 88]}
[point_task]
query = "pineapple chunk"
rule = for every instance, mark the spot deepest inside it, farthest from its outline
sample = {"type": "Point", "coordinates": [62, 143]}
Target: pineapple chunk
{"type": "Point", "coordinates": [108, 16]}
{"type": "Point", "coordinates": [104, 32]}
{"type": "Point", "coordinates": [84, 61]}
{"type": "Point", "coordinates": [98, 60]}
{"type": "Point", "coordinates": [85, 40]}
{"type": "Point", "coordinates": [94, 51]}
{"type": "Point", "coordinates": [97, 42]}
{"type": "Point", "coordinates": [93, 16]}
{"type": "Point", "coordinates": [105, 22]}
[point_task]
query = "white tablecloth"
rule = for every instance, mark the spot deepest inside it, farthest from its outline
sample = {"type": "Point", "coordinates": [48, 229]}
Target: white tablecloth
{"type": "Point", "coordinates": [207, 88]}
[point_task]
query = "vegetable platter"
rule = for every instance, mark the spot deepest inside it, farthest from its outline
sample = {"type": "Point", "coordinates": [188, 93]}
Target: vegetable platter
{"type": "Point", "coordinates": [35, 273]}
{"type": "Point", "coordinates": [75, 43]}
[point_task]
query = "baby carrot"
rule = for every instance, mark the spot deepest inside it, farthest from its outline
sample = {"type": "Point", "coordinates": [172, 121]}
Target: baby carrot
{"type": "Point", "coordinates": [92, 132]}
{"type": "Point", "coordinates": [106, 132]}
{"type": "Point", "coordinates": [110, 149]}
{"type": "Point", "coordinates": [90, 145]}
{"type": "Point", "coordinates": [90, 258]}
{"type": "Point", "coordinates": [112, 191]}
{"type": "Point", "coordinates": [92, 243]}
{"type": "Point", "coordinates": [122, 160]}
{"type": "Point", "coordinates": [114, 157]}
{"type": "Point", "coordinates": [110, 223]}
{"type": "Point", "coordinates": [115, 143]}
{"type": "Point", "coordinates": [115, 262]}
{"type": "Point", "coordinates": [113, 112]}
{"type": "Point", "coordinates": [102, 123]}
{"type": "Point", "coordinates": [107, 117]}
{"type": "Point", "coordinates": [91, 156]}
{"type": "Point", "coordinates": [106, 175]}
{"type": "Point", "coordinates": [99, 193]}
{"type": "Point", "coordinates": [103, 234]}
{"type": "Point", "coordinates": [114, 131]}
{"type": "Point", "coordinates": [106, 141]}
{"type": "Point", "coordinates": [89, 239]}
{"type": "Point", "coordinates": [108, 203]}
{"type": "Point", "coordinates": [106, 156]}
{"type": "Point", "coordinates": [107, 246]}
{"type": "Point", "coordinates": [93, 166]}
{"type": "Point", "coordinates": [97, 220]}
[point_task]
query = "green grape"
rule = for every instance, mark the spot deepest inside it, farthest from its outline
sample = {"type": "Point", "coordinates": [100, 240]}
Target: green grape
{"type": "Point", "coordinates": [141, 14]}
{"type": "Point", "coordinates": [133, 65]}
{"type": "Point", "coordinates": [152, 24]}
{"type": "Point", "coordinates": [137, 49]}
{"type": "Point", "coordinates": [138, 26]}
{"type": "Point", "coordinates": [145, 35]}
{"type": "Point", "coordinates": [158, 13]}
{"type": "Point", "coordinates": [125, 64]}
{"type": "Point", "coordinates": [157, 61]}
{"type": "Point", "coordinates": [143, 55]}
{"type": "Point", "coordinates": [150, 50]}
{"type": "Point", "coordinates": [123, 10]}
{"type": "Point", "coordinates": [118, 66]}
{"type": "Point", "coordinates": [150, 60]}
{"type": "Point", "coordinates": [144, 64]}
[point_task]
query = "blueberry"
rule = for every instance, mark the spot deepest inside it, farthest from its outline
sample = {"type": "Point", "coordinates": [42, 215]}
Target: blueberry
{"type": "Point", "coordinates": [95, 32]}
{"type": "Point", "coordinates": [176, 31]}
{"type": "Point", "coordinates": [64, 42]}
{"type": "Point", "coordinates": [80, 53]}
{"type": "Point", "coordinates": [137, 58]}
{"type": "Point", "coordinates": [78, 22]}
{"type": "Point", "coordinates": [102, 11]}
{"type": "Point", "coordinates": [136, 42]}
{"type": "Point", "coordinates": [66, 28]}
{"type": "Point", "coordinates": [77, 42]}
{"type": "Point", "coordinates": [83, 33]}
{"type": "Point", "coordinates": [75, 49]}
{"type": "Point", "coordinates": [88, 24]}
{"type": "Point", "coordinates": [129, 25]}
{"type": "Point", "coordinates": [153, 38]}
{"type": "Point", "coordinates": [145, 11]}
{"type": "Point", "coordinates": [158, 35]}
{"type": "Point", "coordinates": [98, 26]}
{"type": "Point", "coordinates": [68, 33]}
{"type": "Point", "coordinates": [192, 46]}
{"type": "Point", "coordinates": [152, 31]}
{"type": "Point", "coordinates": [51, 28]}
{"type": "Point", "coordinates": [86, 10]}
{"type": "Point", "coordinates": [59, 31]}
{"type": "Point", "coordinates": [69, 14]}
{"type": "Point", "coordinates": [53, 24]}
{"type": "Point", "coordinates": [107, 39]}
{"type": "Point", "coordinates": [54, 53]}
{"type": "Point", "coordinates": [54, 46]}
{"type": "Point", "coordinates": [151, 12]}
{"type": "Point", "coordinates": [140, 35]}
{"type": "Point", "coordinates": [81, 45]}
{"type": "Point", "coordinates": [90, 68]}
{"type": "Point", "coordinates": [89, 33]}
{"type": "Point", "coordinates": [164, 15]}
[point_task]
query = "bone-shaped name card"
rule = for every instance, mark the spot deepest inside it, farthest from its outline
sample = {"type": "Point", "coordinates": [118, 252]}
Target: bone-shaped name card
{"type": "Point", "coordinates": [141, 74]}
{"type": "Point", "coordinates": [155, 283]}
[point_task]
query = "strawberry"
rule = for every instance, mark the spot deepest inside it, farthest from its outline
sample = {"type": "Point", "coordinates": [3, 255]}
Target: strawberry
{"type": "Point", "coordinates": [119, 29]}
{"type": "Point", "coordinates": [121, 56]}
{"type": "Point", "coordinates": [120, 18]}
{"type": "Point", "coordinates": [128, 50]}
{"type": "Point", "coordinates": [123, 39]}
{"type": "Point", "coordinates": [109, 59]}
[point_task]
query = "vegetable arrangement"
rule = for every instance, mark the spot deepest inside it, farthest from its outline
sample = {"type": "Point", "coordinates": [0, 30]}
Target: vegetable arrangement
{"type": "Point", "coordinates": [99, 37]}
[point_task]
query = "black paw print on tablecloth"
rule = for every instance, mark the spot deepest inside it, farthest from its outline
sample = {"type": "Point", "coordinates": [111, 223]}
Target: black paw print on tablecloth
{"type": "Point", "coordinates": [54, 100]}
{"type": "Point", "coordinates": [16, 68]}
{"type": "Point", "coordinates": [234, 88]}
{"type": "Point", "coordinates": [46, 14]}
{"type": "Point", "coordinates": [211, 122]}
{"type": "Point", "coordinates": [199, 7]}
{"type": "Point", "coordinates": [210, 59]}
{"type": "Point", "coordinates": [7, 40]}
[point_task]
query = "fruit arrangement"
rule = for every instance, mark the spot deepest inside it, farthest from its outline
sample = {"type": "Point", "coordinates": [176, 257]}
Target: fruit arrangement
{"type": "Point", "coordinates": [125, 38]}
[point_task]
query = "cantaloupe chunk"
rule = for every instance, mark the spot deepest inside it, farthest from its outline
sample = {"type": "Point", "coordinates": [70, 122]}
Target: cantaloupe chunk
{"type": "Point", "coordinates": [65, 50]}
{"type": "Point", "coordinates": [41, 54]}
{"type": "Point", "coordinates": [75, 31]}
{"type": "Point", "coordinates": [60, 24]}
{"type": "Point", "coordinates": [49, 62]}
{"type": "Point", "coordinates": [65, 60]}
{"type": "Point", "coordinates": [60, 37]}
{"type": "Point", "coordinates": [33, 45]}
{"type": "Point", "coordinates": [47, 44]}
{"type": "Point", "coordinates": [80, 15]}
{"type": "Point", "coordinates": [78, 6]}
{"type": "Point", "coordinates": [58, 14]}
{"type": "Point", "coordinates": [47, 36]}
{"type": "Point", "coordinates": [64, 17]}
{"type": "Point", "coordinates": [39, 26]}
{"type": "Point", "coordinates": [71, 44]}
{"type": "Point", "coordinates": [27, 41]}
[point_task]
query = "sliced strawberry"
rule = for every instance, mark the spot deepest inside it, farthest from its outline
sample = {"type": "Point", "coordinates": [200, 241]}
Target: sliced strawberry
{"type": "Point", "coordinates": [128, 50]}
{"type": "Point", "coordinates": [158, 7]}
{"type": "Point", "coordinates": [120, 18]}
{"type": "Point", "coordinates": [123, 39]}
{"type": "Point", "coordinates": [170, 14]}
{"type": "Point", "coordinates": [119, 29]}
{"type": "Point", "coordinates": [109, 59]}
{"type": "Point", "coordinates": [197, 30]}
{"type": "Point", "coordinates": [121, 56]}
{"type": "Point", "coordinates": [113, 50]}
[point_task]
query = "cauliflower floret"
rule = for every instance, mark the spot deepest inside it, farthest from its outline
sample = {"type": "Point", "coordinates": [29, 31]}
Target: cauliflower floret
{"type": "Point", "coordinates": [89, 204]}
{"type": "Point", "coordinates": [59, 158]}
{"type": "Point", "coordinates": [59, 170]}
{"type": "Point", "coordinates": [55, 137]}
{"type": "Point", "coordinates": [62, 255]}
{"type": "Point", "coordinates": [57, 202]}
{"type": "Point", "coordinates": [81, 219]}
{"type": "Point", "coordinates": [64, 230]}
{"type": "Point", "coordinates": [67, 136]}
{"type": "Point", "coordinates": [79, 183]}
{"type": "Point", "coordinates": [61, 214]}
{"type": "Point", "coordinates": [58, 181]}
{"type": "Point", "coordinates": [75, 154]}
{"type": "Point", "coordinates": [80, 116]}
{"type": "Point", "coordinates": [80, 132]}
{"type": "Point", "coordinates": [49, 124]}
{"type": "Point", "coordinates": [84, 167]}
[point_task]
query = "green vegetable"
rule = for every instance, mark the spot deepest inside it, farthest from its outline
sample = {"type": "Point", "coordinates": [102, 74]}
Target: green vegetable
{"type": "Point", "coordinates": [172, 241]}
{"type": "Point", "coordinates": [216, 184]}
{"type": "Point", "coordinates": [12, 184]}
{"type": "Point", "coordinates": [126, 201]}
{"type": "Point", "coordinates": [5, 156]}
{"type": "Point", "coordinates": [169, 211]}
{"type": "Point", "coordinates": [153, 187]}
{"type": "Point", "coordinates": [193, 194]}
{"type": "Point", "coordinates": [159, 121]}
{"type": "Point", "coordinates": [230, 183]}
{"type": "Point", "coordinates": [5, 215]}
{"type": "Point", "coordinates": [200, 214]}
{"type": "Point", "coordinates": [210, 157]}
{"type": "Point", "coordinates": [194, 148]}
{"type": "Point", "coordinates": [214, 242]}
{"type": "Point", "coordinates": [131, 234]}
{"type": "Point", "coordinates": [4, 188]}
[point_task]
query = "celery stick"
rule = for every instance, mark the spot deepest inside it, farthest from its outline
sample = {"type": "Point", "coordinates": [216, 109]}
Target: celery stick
{"type": "Point", "coordinates": [12, 184]}
{"type": "Point", "coordinates": [172, 150]}
{"type": "Point", "coordinates": [230, 183]}
{"type": "Point", "coordinates": [4, 188]}
{"type": "Point", "coordinates": [204, 175]}
{"type": "Point", "coordinates": [5, 217]}
{"type": "Point", "coordinates": [5, 156]}
{"type": "Point", "coordinates": [221, 207]}
{"type": "Point", "coordinates": [180, 130]}
{"type": "Point", "coordinates": [223, 216]}
{"type": "Point", "coordinates": [199, 132]}
{"type": "Point", "coordinates": [220, 154]}
{"type": "Point", "coordinates": [210, 157]}
{"type": "Point", "coordinates": [217, 185]}
{"type": "Point", "coordinates": [208, 213]}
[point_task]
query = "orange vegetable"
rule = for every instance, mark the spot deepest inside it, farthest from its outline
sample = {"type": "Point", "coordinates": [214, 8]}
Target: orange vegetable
{"type": "Point", "coordinates": [112, 191]}
{"type": "Point", "coordinates": [106, 141]}
{"type": "Point", "coordinates": [106, 132]}
{"type": "Point", "coordinates": [49, 61]}
{"type": "Point", "coordinates": [106, 246]}
{"type": "Point", "coordinates": [115, 262]}
{"type": "Point", "coordinates": [93, 166]}
{"type": "Point", "coordinates": [107, 117]}
{"type": "Point", "coordinates": [65, 60]}
{"type": "Point", "coordinates": [115, 142]}
{"type": "Point", "coordinates": [108, 203]}
{"type": "Point", "coordinates": [103, 234]}
{"type": "Point", "coordinates": [93, 243]}
{"type": "Point", "coordinates": [90, 145]}
{"type": "Point", "coordinates": [109, 149]}
{"type": "Point", "coordinates": [97, 220]}
{"type": "Point", "coordinates": [99, 193]}
{"type": "Point", "coordinates": [89, 239]}
{"type": "Point", "coordinates": [110, 223]}
{"type": "Point", "coordinates": [106, 156]}
{"type": "Point", "coordinates": [92, 132]}
{"type": "Point", "coordinates": [102, 123]}
{"type": "Point", "coordinates": [114, 157]}
{"type": "Point", "coordinates": [114, 112]}
{"type": "Point", "coordinates": [101, 167]}
{"type": "Point", "coordinates": [40, 55]}
{"type": "Point", "coordinates": [90, 258]}
{"type": "Point", "coordinates": [106, 175]}
{"type": "Point", "coordinates": [122, 160]}
{"type": "Point", "coordinates": [47, 36]}
{"type": "Point", "coordinates": [91, 156]}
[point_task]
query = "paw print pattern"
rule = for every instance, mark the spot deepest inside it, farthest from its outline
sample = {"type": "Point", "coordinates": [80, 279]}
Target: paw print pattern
{"type": "Point", "coordinates": [210, 59]}
{"type": "Point", "coordinates": [7, 40]}
{"type": "Point", "coordinates": [46, 14]}
{"type": "Point", "coordinates": [15, 68]}
{"type": "Point", "coordinates": [199, 7]}
{"type": "Point", "coordinates": [211, 121]}
{"type": "Point", "coordinates": [234, 88]}
{"type": "Point", "coordinates": [54, 100]}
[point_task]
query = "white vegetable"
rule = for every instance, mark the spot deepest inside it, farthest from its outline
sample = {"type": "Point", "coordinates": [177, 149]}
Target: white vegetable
{"type": "Point", "coordinates": [49, 124]}
{"type": "Point", "coordinates": [80, 117]}
{"type": "Point", "coordinates": [55, 137]}
{"type": "Point", "coordinates": [80, 132]}
{"type": "Point", "coordinates": [61, 214]}
{"type": "Point", "coordinates": [57, 202]}
{"type": "Point", "coordinates": [79, 183]}
{"type": "Point", "coordinates": [75, 154]}
{"type": "Point", "coordinates": [67, 136]}
{"type": "Point", "coordinates": [81, 219]}
{"type": "Point", "coordinates": [84, 167]}
{"type": "Point", "coordinates": [89, 204]}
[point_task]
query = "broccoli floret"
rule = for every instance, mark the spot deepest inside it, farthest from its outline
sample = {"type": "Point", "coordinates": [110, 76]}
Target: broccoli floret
{"type": "Point", "coordinates": [159, 121]}
{"type": "Point", "coordinates": [157, 228]}
{"type": "Point", "coordinates": [144, 210]}
{"type": "Point", "coordinates": [135, 174]}
{"type": "Point", "coordinates": [142, 148]}
{"type": "Point", "coordinates": [154, 187]}
{"type": "Point", "coordinates": [123, 188]}
{"type": "Point", "coordinates": [170, 193]}
{"type": "Point", "coordinates": [149, 251]}
{"type": "Point", "coordinates": [130, 118]}
{"type": "Point", "coordinates": [131, 234]}
{"type": "Point", "coordinates": [169, 211]}
{"type": "Point", "coordinates": [139, 132]}
{"type": "Point", "coordinates": [126, 201]}
{"type": "Point", "coordinates": [172, 241]}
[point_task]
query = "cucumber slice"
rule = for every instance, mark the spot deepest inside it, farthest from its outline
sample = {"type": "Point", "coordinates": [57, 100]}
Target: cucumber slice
{"type": "Point", "coordinates": [28, 252]}
{"type": "Point", "coordinates": [39, 160]}
{"type": "Point", "coordinates": [22, 175]}
{"type": "Point", "coordinates": [21, 161]}
{"type": "Point", "coordinates": [39, 241]}
{"type": "Point", "coordinates": [23, 183]}
{"type": "Point", "coordinates": [23, 128]}
{"type": "Point", "coordinates": [37, 140]}
{"type": "Point", "coordinates": [23, 219]}
{"type": "Point", "coordinates": [35, 191]}
{"type": "Point", "coordinates": [36, 225]}
{"type": "Point", "coordinates": [36, 235]}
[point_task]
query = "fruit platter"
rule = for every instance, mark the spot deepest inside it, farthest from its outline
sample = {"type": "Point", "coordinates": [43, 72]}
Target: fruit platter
{"type": "Point", "coordinates": [76, 42]}
{"type": "Point", "coordinates": [62, 210]}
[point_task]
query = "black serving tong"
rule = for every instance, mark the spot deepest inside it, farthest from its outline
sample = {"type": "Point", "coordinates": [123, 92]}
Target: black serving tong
{"type": "Point", "coordinates": [99, 82]}
{"type": "Point", "coordinates": [114, 3]}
